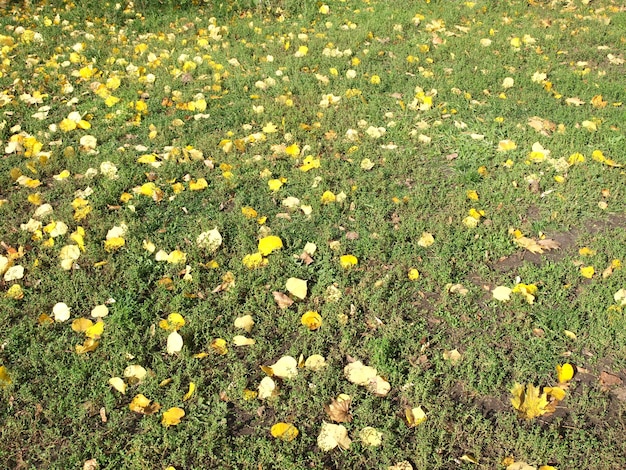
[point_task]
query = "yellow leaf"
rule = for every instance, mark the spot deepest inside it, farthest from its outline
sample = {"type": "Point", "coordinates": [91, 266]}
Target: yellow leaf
{"type": "Point", "coordinates": [198, 185]}
{"type": "Point", "coordinates": [530, 402]}
{"type": "Point", "coordinates": [192, 389]}
{"type": "Point", "coordinates": [347, 261]}
{"type": "Point", "coordinates": [296, 287]}
{"type": "Point", "coordinates": [267, 388]}
{"type": "Point", "coordinates": [174, 322]}
{"type": "Point", "coordinates": [254, 260]}
{"type": "Point", "coordinates": [415, 416]}
{"type": "Point", "coordinates": [219, 346]}
{"type": "Point", "coordinates": [141, 404]}
{"type": "Point", "coordinates": [502, 293]}
{"type": "Point", "coordinates": [274, 184]}
{"type": "Point", "coordinates": [246, 323]}
{"type": "Point", "coordinates": [5, 378]}
{"type": "Point", "coordinates": [413, 274]}
{"type": "Point", "coordinates": [240, 340]}
{"type": "Point", "coordinates": [113, 244]}
{"type": "Point", "coordinates": [172, 416]}
{"type": "Point", "coordinates": [80, 325]}
{"type": "Point", "coordinates": [312, 320]}
{"type": "Point", "coordinates": [249, 212]}
{"type": "Point", "coordinates": [371, 436]}
{"type": "Point", "coordinates": [358, 373]}
{"type": "Point", "coordinates": [426, 240]}
{"type": "Point", "coordinates": [95, 330]}
{"type": "Point", "coordinates": [177, 257]}
{"type": "Point", "coordinates": [293, 150]}
{"type": "Point", "coordinates": [586, 251]}
{"type": "Point", "coordinates": [587, 271]}
{"type": "Point", "coordinates": [555, 393]}
{"type": "Point", "coordinates": [564, 373]}
{"type": "Point", "coordinates": [285, 368]}
{"type": "Point", "coordinates": [284, 431]}
{"type": "Point", "coordinates": [315, 362]}
{"type": "Point", "coordinates": [89, 345]}
{"type": "Point", "coordinates": [118, 384]}
{"type": "Point", "coordinates": [135, 374]}
{"type": "Point", "coordinates": [333, 435]}
{"type": "Point", "coordinates": [269, 244]}
{"type": "Point", "coordinates": [328, 197]}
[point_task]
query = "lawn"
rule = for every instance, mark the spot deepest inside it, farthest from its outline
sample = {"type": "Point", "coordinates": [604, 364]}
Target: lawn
{"type": "Point", "coordinates": [290, 234]}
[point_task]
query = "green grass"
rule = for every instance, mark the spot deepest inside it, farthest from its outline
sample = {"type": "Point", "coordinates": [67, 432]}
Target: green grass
{"type": "Point", "coordinates": [58, 409]}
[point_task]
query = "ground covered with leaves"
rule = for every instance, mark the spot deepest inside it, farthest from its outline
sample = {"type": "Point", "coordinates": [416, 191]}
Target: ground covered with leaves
{"type": "Point", "coordinates": [353, 234]}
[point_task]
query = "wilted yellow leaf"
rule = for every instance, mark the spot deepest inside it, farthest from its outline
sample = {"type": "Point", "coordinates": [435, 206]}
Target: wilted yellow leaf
{"type": "Point", "coordinates": [189, 394]}
{"type": "Point", "coordinates": [219, 346]}
{"type": "Point", "coordinates": [267, 388]}
{"type": "Point", "coordinates": [415, 416]}
{"type": "Point", "coordinates": [88, 345]}
{"type": "Point", "coordinates": [426, 240]}
{"type": "Point", "coordinates": [141, 404]}
{"type": "Point", "coordinates": [135, 373]}
{"type": "Point", "coordinates": [80, 325]}
{"type": "Point", "coordinates": [315, 362]}
{"type": "Point", "coordinates": [5, 377]}
{"type": "Point", "coordinates": [118, 384]}
{"type": "Point", "coordinates": [333, 435]}
{"type": "Point", "coordinates": [371, 436]}
{"type": "Point", "coordinates": [502, 293]}
{"type": "Point", "coordinates": [174, 322]}
{"type": "Point", "coordinates": [246, 323]}
{"type": "Point", "coordinates": [172, 416]}
{"type": "Point", "coordinates": [358, 373]}
{"type": "Point", "coordinates": [284, 431]}
{"type": "Point", "coordinates": [296, 287]}
{"type": "Point", "coordinates": [338, 409]}
{"type": "Point", "coordinates": [286, 367]}
{"type": "Point", "coordinates": [530, 402]}
{"type": "Point", "coordinates": [240, 340]}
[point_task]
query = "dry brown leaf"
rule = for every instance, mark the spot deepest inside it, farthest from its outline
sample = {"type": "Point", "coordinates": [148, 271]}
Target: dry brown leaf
{"type": "Point", "coordinates": [305, 258]}
{"type": "Point", "coordinates": [608, 380]}
{"type": "Point", "coordinates": [543, 126]}
{"type": "Point", "coordinates": [282, 300]}
{"type": "Point", "coordinates": [338, 410]}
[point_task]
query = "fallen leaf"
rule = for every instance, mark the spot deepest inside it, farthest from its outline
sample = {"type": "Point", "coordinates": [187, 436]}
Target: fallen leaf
{"type": "Point", "coordinates": [415, 416]}
{"type": "Point", "coordinates": [118, 384]}
{"type": "Point", "coordinates": [312, 320]}
{"type": "Point", "coordinates": [358, 373]}
{"type": "Point", "coordinates": [564, 373]}
{"type": "Point", "coordinates": [174, 342]}
{"type": "Point", "coordinates": [284, 431]}
{"type": "Point", "coordinates": [530, 402]}
{"type": "Point", "coordinates": [371, 437]}
{"type": "Point", "coordinates": [285, 368]}
{"type": "Point", "coordinates": [283, 301]}
{"type": "Point", "coordinates": [142, 405]}
{"type": "Point", "coordinates": [296, 287]}
{"type": "Point", "coordinates": [333, 435]}
{"type": "Point", "coordinates": [608, 380]}
{"type": "Point", "coordinates": [338, 409]}
{"type": "Point", "coordinates": [502, 293]}
{"type": "Point", "coordinates": [267, 388]}
{"type": "Point", "coordinates": [172, 416]}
